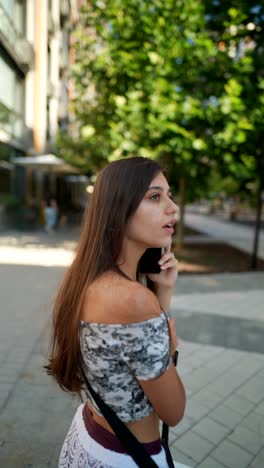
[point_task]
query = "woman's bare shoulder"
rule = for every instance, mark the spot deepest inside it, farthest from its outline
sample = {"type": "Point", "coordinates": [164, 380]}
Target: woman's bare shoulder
{"type": "Point", "coordinates": [115, 299]}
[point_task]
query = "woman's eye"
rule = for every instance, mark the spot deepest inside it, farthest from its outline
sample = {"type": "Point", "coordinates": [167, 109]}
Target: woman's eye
{"type": "Point", "coordinates": [156, 196]}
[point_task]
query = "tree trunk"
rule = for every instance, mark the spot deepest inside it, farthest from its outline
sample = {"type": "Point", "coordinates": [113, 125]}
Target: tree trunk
{"type": "Point", "coordinates": [180, 224]}
{"type": "Point", "coordinates": [254, 258]}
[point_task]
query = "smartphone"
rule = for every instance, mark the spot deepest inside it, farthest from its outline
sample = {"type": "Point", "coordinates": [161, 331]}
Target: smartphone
{"type": "Point", "coordinates": [149, 261]}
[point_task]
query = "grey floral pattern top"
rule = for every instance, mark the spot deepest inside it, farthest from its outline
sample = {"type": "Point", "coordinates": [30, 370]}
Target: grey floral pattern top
{"type": "Point", "coordinates": [116, 355]}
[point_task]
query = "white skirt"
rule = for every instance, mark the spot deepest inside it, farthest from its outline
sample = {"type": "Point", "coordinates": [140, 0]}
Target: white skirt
{"type": "Point", "coordinates": [80, 450]}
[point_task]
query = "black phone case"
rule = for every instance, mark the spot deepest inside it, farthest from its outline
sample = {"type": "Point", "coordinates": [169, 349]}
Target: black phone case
{"type": "Point", "coordinates": [149, 261]}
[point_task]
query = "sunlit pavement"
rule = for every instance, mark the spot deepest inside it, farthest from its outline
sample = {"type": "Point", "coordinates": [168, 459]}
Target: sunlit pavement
{"type": "Point", "coordinates": [39, 248]}
{"type": "Point", "coordinates": [220, 317]}
{"type": "Point", "coordinates": [35, 256]}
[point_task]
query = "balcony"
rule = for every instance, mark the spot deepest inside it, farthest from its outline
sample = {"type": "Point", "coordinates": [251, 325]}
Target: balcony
{"type": "Point", "coordinates": [51, 89]}
{"type": "Point", "coordinates": [51, 24]}
{"type": "Point", "coordinates": [13, 128]}
{"type": "Point", "coordinates": [65, 8]}
{"type": "Point", "coordinates": [64, 59]}
{"type": "Point", "coordinates": [16, 45]}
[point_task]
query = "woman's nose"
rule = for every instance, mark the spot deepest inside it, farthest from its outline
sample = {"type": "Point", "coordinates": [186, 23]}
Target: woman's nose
{"type": "Point", "coordinates": [173, 209]}
{"type": "Point", "coordinates": [172, 206]}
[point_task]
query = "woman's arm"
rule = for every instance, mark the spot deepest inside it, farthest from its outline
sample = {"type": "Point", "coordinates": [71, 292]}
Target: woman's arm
{"type": "Point", "coordinates": [167, 393]}
{"type": "Point", "coordinates": [167, 396]}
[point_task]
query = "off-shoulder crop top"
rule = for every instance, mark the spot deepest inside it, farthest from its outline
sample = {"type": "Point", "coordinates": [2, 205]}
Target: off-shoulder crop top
{"type": "Point", "coordinates": [116, 355]}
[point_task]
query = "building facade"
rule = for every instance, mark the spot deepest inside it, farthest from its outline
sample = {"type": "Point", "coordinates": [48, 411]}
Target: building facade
{"type": "Point", "coordinates": [34, 74]}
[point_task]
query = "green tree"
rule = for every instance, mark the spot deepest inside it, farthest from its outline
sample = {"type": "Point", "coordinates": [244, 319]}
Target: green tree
{"type": "Point", "coordinates": [179, 81]}
{"type": "Point", "coordinates": [238, 28]}
{"type": "Point", "coordinates": [140, 87]}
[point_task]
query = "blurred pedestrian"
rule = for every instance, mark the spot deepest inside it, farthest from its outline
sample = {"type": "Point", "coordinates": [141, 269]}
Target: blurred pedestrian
{"type": "Point", "coordinates": [51, 215]}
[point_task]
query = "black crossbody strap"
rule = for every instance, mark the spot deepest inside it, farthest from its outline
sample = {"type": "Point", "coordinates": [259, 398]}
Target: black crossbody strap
{"type": "Point", "coordinates": [165, 428]}
{"type": "Point", "coordinates": [133, 447]}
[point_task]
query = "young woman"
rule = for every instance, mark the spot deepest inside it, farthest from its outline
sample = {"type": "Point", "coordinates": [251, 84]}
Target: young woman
{"type": "Point", "coordinates": [107, 319]}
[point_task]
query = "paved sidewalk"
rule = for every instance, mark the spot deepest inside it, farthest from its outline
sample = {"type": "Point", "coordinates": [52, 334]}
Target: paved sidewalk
{"type": "Point", "coordinates": [233, 234]}
{"type": "Point", "coordinates": [219, 318]}
{"type": "Point", "coordinates": [224, 421]}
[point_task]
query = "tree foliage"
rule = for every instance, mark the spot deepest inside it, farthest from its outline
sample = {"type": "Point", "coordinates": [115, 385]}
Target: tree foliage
{"type": "Point", "coordinates": [139, 83]}
{"type": "Point", "coordinates": [180, 81]}
{"type": "Point", "coordinates": [238, 29]}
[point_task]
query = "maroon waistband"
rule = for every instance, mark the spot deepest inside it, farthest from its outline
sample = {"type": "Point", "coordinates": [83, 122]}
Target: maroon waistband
{"type": "Point", "coordinates": [109, 440]}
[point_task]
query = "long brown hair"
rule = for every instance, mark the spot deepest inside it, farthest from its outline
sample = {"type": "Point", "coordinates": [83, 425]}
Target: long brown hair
{"type": "Point", "coordinates": [118, 191]}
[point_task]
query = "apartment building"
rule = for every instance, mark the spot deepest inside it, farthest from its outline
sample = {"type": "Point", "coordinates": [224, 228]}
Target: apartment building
{"type": "Point", "coordinates": [34, 74]}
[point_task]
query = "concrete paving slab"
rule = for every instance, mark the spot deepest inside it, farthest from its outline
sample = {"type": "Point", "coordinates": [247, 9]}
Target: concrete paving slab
{"type": "Point", "coordinates": [247, 439]}
{"type": "Point", "coordinates": [253, 390]}
{"type": "Point", "coordinates": [231, 455]}
{"type": "Point", "coordinates": [195, 410]}
{"type": "Point", "coordinates": [239, 404]}
{"type": "Point", "coordinates": [241, 304]}
{"type": "Point", "coordinates": [194, 446]}
{"type": "Point", "coordinates": [248, 366]}
{"type": "Point", "coordinates": [181, 457]}
{"type": "Point", "coordinates": [260, 408]}
{"type": "Point", "coordinates": [258, 461]}
{"type": "Point", "coordinates": [206, 398]}
{"type": "Point", "coordinates": [204, 328]}
{"type": "Point", "coordinates": [211, 430]}
{"type": "Point", "coordinates": [5, 391]}
{"type": "Point", "coordinates": [226, 416]}
{"type": "Point", "coordinates": [210, 462]}
{"type": "Point", "coordinates": [255, 422]}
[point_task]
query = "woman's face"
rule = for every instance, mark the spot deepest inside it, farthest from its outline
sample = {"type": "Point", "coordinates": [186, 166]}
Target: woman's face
{"type": "Point", "coordinates": [152, 223]}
